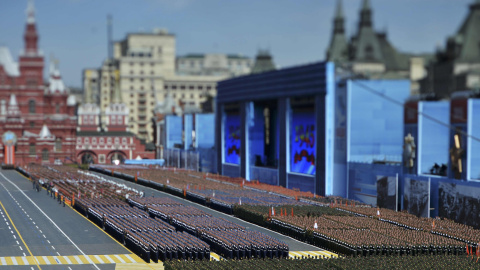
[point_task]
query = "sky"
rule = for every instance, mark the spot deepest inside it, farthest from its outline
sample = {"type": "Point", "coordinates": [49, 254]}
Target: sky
{"type": "Point", "coordinates": [295, 31]}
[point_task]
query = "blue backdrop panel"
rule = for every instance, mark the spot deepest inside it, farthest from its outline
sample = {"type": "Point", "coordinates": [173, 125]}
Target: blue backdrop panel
{"type": "Point", "coordinates": [174, 130]}
{"type": "Point", "coordinates": [474, 141]}
{"type": "Point", "coordinates": [188, 127]}
{"type": "Point", "coordinates": [301, 182]}
{"type": "Point", "coordinates": [375, 123]}
{"type": "Point", "coordinates": [205, 130]}
{"type": "Point", "coordinates": [302, 142]}
{"type": "Point", "coordinates": [232, 138]}
{"type": "Point", "coordinates": [433, 144]}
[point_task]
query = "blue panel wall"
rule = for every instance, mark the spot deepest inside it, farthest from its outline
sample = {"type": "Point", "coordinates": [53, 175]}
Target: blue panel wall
{"type": "Point", "coordinates": [433, 143]}
{"type": "Point", "coordinates": [204, 130]}
{"type": "Point", "coordinates": [174, 130]}
{"type": "Point", "coordinates": [301, 182]}
{"type": "Point", "coordinates": [339, 176]}
{"type": "Point", "coordinates": [363, 177]}
{"type": "Point", "coordinates": [256, 135]}
{"type": "Point", "coordinates": [231, 170]}
{"type": "Point", "coordinates": [375, 122]}
{"type": "Point", "coordinates": [264, 175]}
{"type": "Point", "coordinates": [473, 151]}
{"type": "Point", "coordinates": [188, 128]}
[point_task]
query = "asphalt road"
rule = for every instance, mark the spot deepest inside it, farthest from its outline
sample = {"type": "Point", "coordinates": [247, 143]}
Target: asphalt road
{"type": "Point", "coordinates": [34, 224]}
{"type": "Point", "coordinates": [293, 244]}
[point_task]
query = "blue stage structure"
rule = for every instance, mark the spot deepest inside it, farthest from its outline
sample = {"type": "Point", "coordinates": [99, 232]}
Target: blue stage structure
{"type": "Point", "coordinates": [273, 127]}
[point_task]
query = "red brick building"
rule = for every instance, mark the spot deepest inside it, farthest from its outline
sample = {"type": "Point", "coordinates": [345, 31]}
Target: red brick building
{"type": "Point", "coordinates": [41, 115]}
{"type": "Point", "coordinates": [113, 141]}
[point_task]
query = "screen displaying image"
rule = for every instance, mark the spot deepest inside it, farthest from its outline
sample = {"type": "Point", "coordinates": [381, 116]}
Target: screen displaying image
{"type": "Point", "coordinates": [232, 139]}
{"type": "Point", "coordinates": [302, 141]}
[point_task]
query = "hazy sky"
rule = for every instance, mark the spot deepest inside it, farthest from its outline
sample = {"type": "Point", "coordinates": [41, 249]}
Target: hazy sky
{"type": "Point", "coordinates": [295, 31]}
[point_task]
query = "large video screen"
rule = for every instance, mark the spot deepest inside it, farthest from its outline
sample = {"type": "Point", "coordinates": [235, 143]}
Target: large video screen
{"type": "Point", "coordinates": [302, 141]}
{"type": "Point", "coordinates": [232, 138]}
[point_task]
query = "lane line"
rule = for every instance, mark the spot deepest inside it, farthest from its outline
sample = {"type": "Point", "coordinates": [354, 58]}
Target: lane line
{"type": "Point", "coordinates": [41, 211]}
{"type": "Point", "coordinates": [21, 238]}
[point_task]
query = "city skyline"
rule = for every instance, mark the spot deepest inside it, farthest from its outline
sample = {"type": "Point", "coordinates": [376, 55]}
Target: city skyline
{"type": "Point", "coordinates": [77, 37]}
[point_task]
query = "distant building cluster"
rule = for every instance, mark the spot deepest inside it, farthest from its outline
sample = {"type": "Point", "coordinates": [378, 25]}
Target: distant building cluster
{"type": "Point", "coordinates": [151, 77]}
{"type": "Point", "coordinates": [369, 54]}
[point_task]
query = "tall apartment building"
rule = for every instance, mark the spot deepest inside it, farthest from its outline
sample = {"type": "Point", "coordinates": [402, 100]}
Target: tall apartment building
{"type": "Point", "coordinates": [149, 72]}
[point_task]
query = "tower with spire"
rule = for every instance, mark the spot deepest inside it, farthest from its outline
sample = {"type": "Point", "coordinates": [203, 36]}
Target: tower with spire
{"type": "Point", "coordinates": [42, 116]}
{"type": "Point", "coordinates": [338, 50]}
{"type": "Point", "coordinates": [31, 59]}
{"type": "Point", "coordinates": [368, 53]}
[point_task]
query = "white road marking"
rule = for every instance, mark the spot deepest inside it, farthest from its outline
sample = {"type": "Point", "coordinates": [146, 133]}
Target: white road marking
{"type": "Point", "coordinates": [78, 259]}
{"type": "Point", "coordinates": [120, 258]}
{"type": "Point", "coordinates": [54, 224]}
{"type": "Point", "coordinates": [99, 259]}
{"type": "Point", "coordinates": [109, 259]}
{"type": "Point", "coordinates": [53, 247]}
{"type": "Point", "coordinates": [67, 259]}
{"type": "Point", "coordinates": [48, 241]}
{"type": "Point", "coordinates": [46, 260]}
{"type": "Point", "coordinates": [14, 261]}
{"type": "Point", "coordinates": [130, 258]}
{"type": "Point", "coordinates": [25, 261]}
{"type": "Point", "coordinates": [4, 262]}
{"type": "Point", "coordinates": [14, 237]}
{"type": "Point", "coordinates": [20, 247]}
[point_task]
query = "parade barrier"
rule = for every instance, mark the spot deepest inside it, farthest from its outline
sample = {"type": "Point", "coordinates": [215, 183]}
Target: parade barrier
{"type": "Point", "coordinates": [360, 263]}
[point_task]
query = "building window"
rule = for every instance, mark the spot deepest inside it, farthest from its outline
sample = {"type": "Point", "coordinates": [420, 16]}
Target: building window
{"type": "Point", "coordinates": [31, 106]}
{"type": "Point", "coordinates": [200, 87]}
{"type": "Point", "coordinates": [109, 140]}
{"type": "Point", "coordinates": [102, 140]}
{"type": "Point", "coordinates": [32, 124]}
{"type": "Point", "coordinates": [57, 108]}
{"type": "Point", "coordinates": [182, 87]}
{"type": "Point", "coordinates": [45, 154]}
{"type": "Point", "coordinates": [86, 140]}
{"type": "Point", "coordinates": [32, 149]}
{"type": "Point", "coordinates": [94, 140]}
{"type": "Point", "coordinates": [58, 145]}
{"type": "Point", "coordinates": [101, 158]}
{"type": "Point", "coordinates": [124, 140]}
{"type": "Point", "coordinates": [191, 87]}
